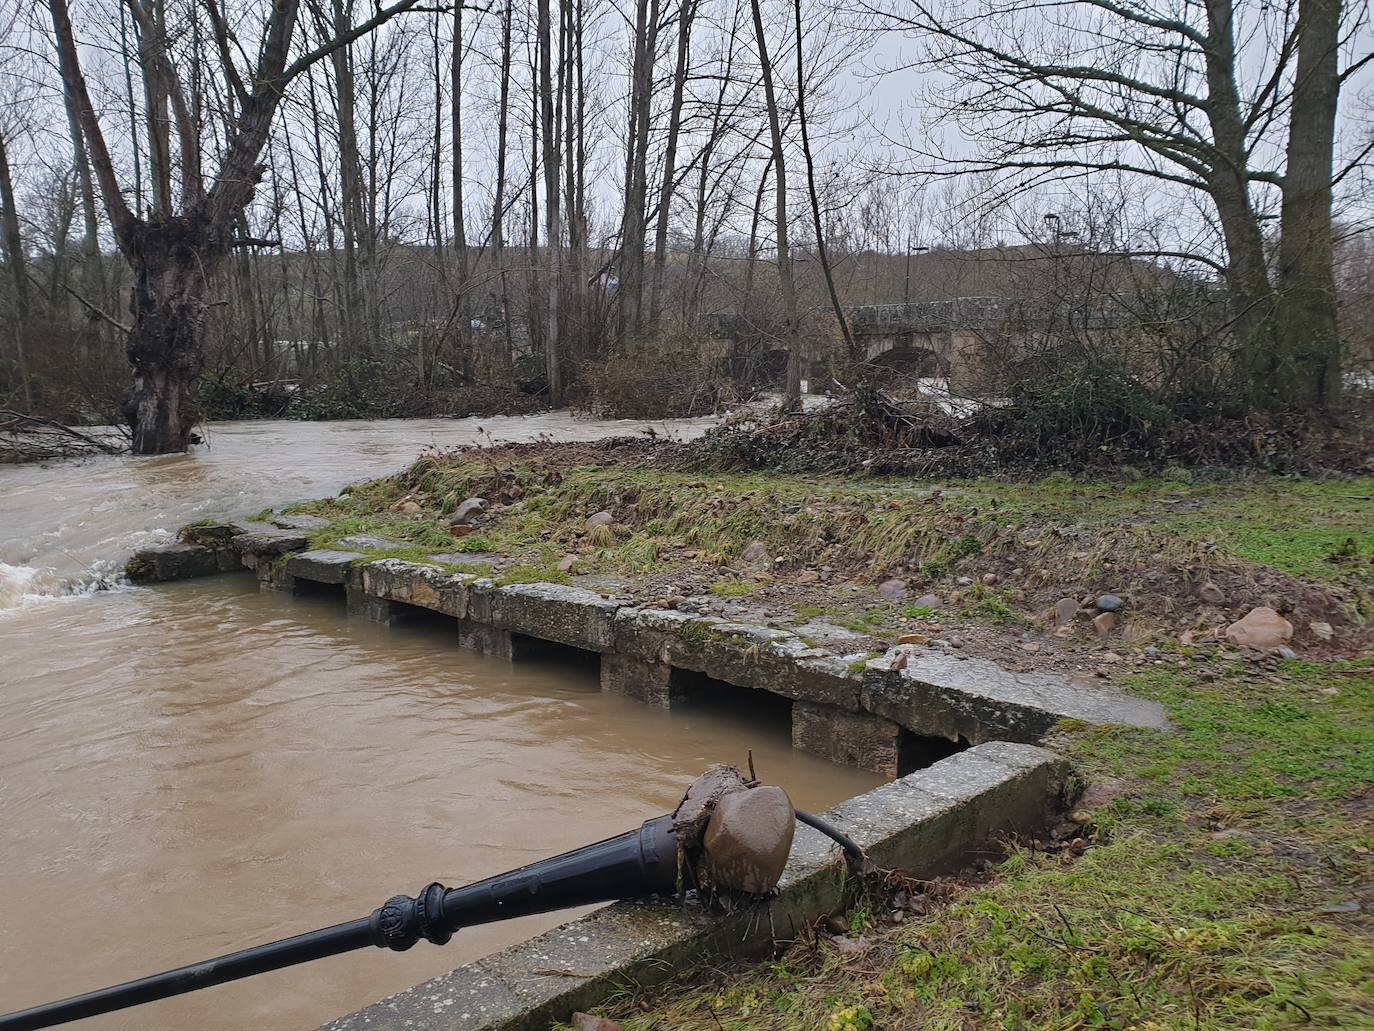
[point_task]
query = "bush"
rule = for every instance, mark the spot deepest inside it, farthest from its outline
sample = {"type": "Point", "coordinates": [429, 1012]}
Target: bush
{"type": "Point", "coordinates": [661, 379]}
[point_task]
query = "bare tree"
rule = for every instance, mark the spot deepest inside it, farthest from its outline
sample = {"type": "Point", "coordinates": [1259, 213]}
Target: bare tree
{"type": "Point", "coordinates": [1206, 97]}
{"type": "Point", "coordinates": [14, 254]}
{"type": "Point", "coordinates": [176, 256]}
{"type": "Point", "coordinates": [790, 336]}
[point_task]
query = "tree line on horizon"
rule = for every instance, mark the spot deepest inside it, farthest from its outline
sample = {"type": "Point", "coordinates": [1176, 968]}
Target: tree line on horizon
{"type": "Point", "coordinates": [445, 195]}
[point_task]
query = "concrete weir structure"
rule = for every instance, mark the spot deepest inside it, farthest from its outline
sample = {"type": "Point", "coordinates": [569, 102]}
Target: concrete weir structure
{"type": "Point", "coordinates": [891, 714]}
{"type": "Point", "coordinates": [957, 735]}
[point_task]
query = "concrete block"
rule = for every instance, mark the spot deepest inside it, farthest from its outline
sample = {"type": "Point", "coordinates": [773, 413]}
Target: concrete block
{"type": "Point", "coordinates": [791, 668]}
{"type": "Point", "coordinates": [640, 679]}
{"type": "Point", "coordinates": [653, 633]}
{"type": "Point", "coordinates": [941, 695]}
{"type": "Point", "coordinates": [852, 739]}
{"type": "Point", "coordinates": [417, 584]}
{"type": "Point", "coordinates": [172, 562]}
{"type": "Point", "coordinates": [269, 540]}
{"type": "Point", "coordinates": [323, 565]}
{"type": "Point", "coordinates": [555, 612]}
{"type": "Point", "coordinates": [212, 535]}
{"type": "Point", "coordinates": [902, 825]}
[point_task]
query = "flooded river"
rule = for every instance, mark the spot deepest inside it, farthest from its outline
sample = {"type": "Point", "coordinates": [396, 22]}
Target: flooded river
{"type": "Point", "coordinates": [192, 768]}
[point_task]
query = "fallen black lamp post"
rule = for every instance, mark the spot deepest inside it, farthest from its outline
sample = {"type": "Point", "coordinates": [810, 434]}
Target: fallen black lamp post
{"type": "Point", "coordinates": [637, 863]}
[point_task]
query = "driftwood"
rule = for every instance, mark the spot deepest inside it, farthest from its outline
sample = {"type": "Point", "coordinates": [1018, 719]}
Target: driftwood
{"type": "Point", "coordinates": [27, 438]}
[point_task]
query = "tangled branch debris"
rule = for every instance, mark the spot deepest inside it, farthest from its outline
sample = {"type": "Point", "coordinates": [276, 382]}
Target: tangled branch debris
{"type": "Point", "coordinates": [27, 438]}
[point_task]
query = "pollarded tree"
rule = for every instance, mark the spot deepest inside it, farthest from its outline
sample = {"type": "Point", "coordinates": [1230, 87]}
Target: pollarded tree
{"type": "Point", "coordinates": [177, 250]}
{"type": "Point", "coordinates": [1233, 99]}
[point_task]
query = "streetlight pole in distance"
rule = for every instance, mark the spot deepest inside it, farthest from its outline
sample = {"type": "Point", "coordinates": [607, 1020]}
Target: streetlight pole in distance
{"type": "Point", "coordinates": [910, 250]}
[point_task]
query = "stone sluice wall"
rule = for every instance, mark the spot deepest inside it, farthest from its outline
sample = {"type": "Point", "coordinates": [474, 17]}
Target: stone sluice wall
{"type": "Point", "coordinates": [890, 714]}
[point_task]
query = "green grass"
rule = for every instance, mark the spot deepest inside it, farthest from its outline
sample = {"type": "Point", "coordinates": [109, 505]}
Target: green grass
{"type": "Point", "coordinates": [1201, 905]}
{"type": "Point", "coordinates": [734, 588]}
{"type": "Point", "coordinates": [1075, 531]}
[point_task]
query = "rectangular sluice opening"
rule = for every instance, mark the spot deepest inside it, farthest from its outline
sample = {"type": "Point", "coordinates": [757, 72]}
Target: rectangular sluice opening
{"type": "Point", "coordinates": [408, 615]}
{"type": "Point", "coordinates": [916, 751]}
{"type": "Point", "coordinates": [301, 588]}
{"type": "Point", "coordinates": [767, 711]}
{"type": "Point", "coordinates": [524, 648]}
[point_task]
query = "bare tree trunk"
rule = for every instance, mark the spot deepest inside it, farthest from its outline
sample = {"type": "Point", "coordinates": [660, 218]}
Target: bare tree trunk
{"type": "Point", "coordinates": [686, 14]}
{"type": "Point", "coordinates": [851, 351]}
{"type": "Point", "coordinates": [792, 394]}
{"type": "Point", "coordinates": [631, 291]}
{"type": "Point", "coordinates": [14, 252]}
{"type": "Point", "coordinates": [460, 235]}
{"type": "Point", "coordinates": [151, 44]}
{"type": "Point", "coordinates": [355, 319]}
{"type": "Point", "coordinates": [552, 230]}
{"type": "Point", "coordinates": [1306, 369]}
{"type": "Point", "coordinates": [498, 211]}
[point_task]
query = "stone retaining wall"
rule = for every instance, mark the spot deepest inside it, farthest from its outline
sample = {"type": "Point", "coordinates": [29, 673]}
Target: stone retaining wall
{"type": "Point", "coordinates": [923, 824]}
{"type": "Point", "coordinates": [881, 714]}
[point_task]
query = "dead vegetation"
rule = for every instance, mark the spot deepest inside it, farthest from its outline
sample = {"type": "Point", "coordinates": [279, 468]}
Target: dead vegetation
{"type": "Point", "coordinates": [26, 438]}
{"type": "Point", "coordinates": [1188, 557]}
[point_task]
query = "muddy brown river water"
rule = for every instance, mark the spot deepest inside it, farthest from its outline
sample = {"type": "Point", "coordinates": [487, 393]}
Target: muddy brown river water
{"type": "Point", "coordinates": [197, 767]}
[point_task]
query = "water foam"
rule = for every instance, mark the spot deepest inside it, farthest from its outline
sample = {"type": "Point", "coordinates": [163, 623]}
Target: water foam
{"type": "Point", "coordinates": [22, 586]}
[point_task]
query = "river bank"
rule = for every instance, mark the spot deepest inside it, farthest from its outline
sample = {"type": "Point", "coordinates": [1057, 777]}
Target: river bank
{"type": "Point", "coordinates": [1218, 874]}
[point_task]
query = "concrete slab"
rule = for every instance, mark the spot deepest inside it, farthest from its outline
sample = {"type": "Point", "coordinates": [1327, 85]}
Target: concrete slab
{"type": "Point", "coordinates": [556, 612]}
{"type": "Point", "coordinates": [172, 562]}
{"type": "Point", "coordinates": [270, 540]}
{"type": "Point", "coordinates": [941, 695]}
{"type": "Point", "coordinates": [323, 565]}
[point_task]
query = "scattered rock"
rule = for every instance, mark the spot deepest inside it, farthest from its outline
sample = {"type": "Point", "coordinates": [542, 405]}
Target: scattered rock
{"type": "Point", "coordinates": [1104, 623]}
{"type": "Point", "coordinates": [989, 579]}
{"type": "Point", "coordinates": [913, 639]}
{"type": "Point", "coordinates": [1029, 646]}
{"type": "Point", "coordinates": [928, 601]}
{"type": "Point", "coordinates": [1065, 609]}
{"type": "Point", "coordinates": [566, 563]}
{"type": "Point", "coordinates": [1109, 603]}
{"type": "Point", "coordinates": [955, 641]}
{"type": "Point", "coordinates": [965, 581]}
{"type": "Point", "coordinates": [469, 508]}
{"type": "Point", "coordinates": [756, 554]}
{"type": "Point", "coordinates": [1348, 906]}
{"type": "Point", "coordinates": [1286, 652]}
{"type": "Point", "coordinates": [589, 1022]}
{"type": "Point", "coordinates": [1211, 594]}
{"type": "Point", "coordinates": [892, 590]}
{"type": "Point", "coordinates": [849, 946]}
{"type": "Point", "coordinates": [1081, 816]}
{"type": "Point", "coordinates": [1260, 628]}
{"type": "Point", "coordinates": [1322, 631]}
{"type": "Point", "coordinates": [409, 507]}
{"type": "Point", "coordinates": [600, 519]}
{"type": "Point", "coordinates": [808, 576]}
